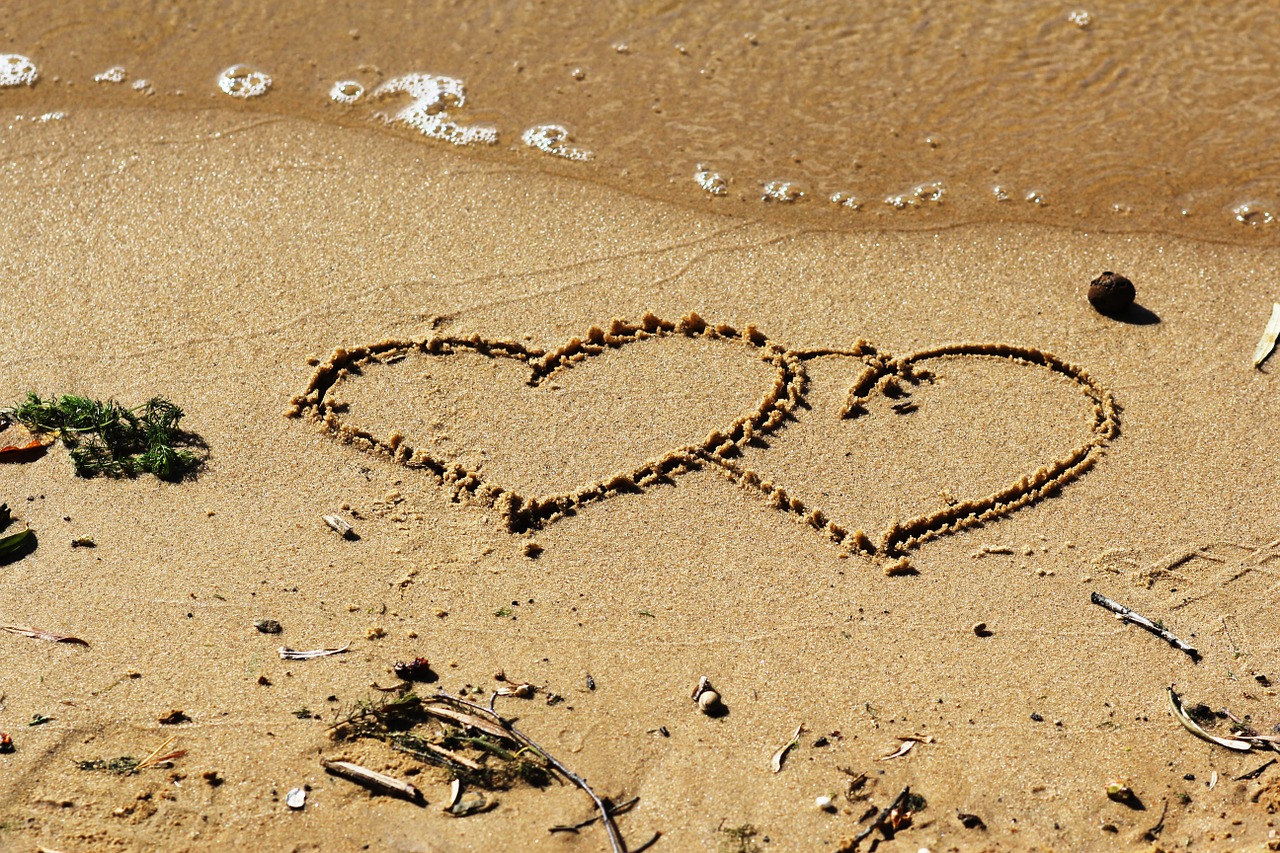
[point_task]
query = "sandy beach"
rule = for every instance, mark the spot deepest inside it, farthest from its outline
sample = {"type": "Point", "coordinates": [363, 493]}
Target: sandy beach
{"type": "Point", "coordinates": [605, 443]}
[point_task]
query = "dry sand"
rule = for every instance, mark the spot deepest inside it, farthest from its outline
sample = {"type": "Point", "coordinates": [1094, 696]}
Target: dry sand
{"type": "Point", "coordinates": [220, 259]}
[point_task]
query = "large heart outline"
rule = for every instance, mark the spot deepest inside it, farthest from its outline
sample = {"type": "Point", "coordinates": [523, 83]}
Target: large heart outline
{"type": "Point", "coordinates": [521, 512]}
{"type": "Point", "coordinates": [722, 447]}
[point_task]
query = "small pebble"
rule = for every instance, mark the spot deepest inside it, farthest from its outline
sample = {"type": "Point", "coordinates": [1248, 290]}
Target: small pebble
{"type": "Point", "coordinates": [1111, 294]}
{"type": "Point", "coordinates": [1037, 717]}
{"type": "Point", "coordinates": [268, 626]}
{"type": "Point", "coordinates": [981, 629]}
{"type": "Point", "coordinates": [709, 701]}
{"type": "Point", "coordinates": [823, 803]}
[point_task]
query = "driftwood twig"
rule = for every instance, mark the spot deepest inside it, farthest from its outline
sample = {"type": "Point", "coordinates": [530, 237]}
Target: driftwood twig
{"type": "Point", "coordinates": [1127, 615]}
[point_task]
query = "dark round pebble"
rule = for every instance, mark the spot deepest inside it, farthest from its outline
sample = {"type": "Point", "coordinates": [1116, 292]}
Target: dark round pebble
{"type": "Point", "coordinates": [1111, 294]}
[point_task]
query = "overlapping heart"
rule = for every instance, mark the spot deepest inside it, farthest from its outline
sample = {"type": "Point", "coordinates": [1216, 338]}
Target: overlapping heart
{"type": "Point", "coordinates": [592, 440]}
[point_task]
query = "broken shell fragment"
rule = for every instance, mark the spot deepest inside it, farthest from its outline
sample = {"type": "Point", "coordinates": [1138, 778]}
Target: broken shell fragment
{"type": "Point", "coordinates": [296, 798]}
{"type": "Point", "coordinates": [709, 701]}
{"type": "Point", "coordinates": [340, 526]}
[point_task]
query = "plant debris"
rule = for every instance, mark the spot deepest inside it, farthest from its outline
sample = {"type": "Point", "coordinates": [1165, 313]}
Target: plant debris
{"type": "Point", "coordinates": [125, 765]}
{"type": "Point", "coordinates": [14, 543]}
{"type": "Point", "coordinates": [177, 715]}
{"type": "Point", "coordinates": [418, 669]}
{"type": "Point", "coordinates": [1255, 773]}
{"type": "Point", "coordinates": [473, 742]}
{"type": "Point", "coordinates": [970, 821]}
{"type": "Point", "coordinates": [268, 626]}
{"type": "Point", "coordinates": [107, 438]}
{"type": "Point", "coordinates": [37, 634]}
{"type": "Point", "coordinates": [83, 542]}
{"type": "Point", "coordinates": [372, 779]}
{"type": "Point", "coordinates": [1267, 344]}
{"type": "Point", "coordinates": [287, 653]}
{"type": "Point", "coordinates": [781, 755]}
{"type": "Point", "coordinates": [1124, 614]}
{"type": "Point", "coordinates": [1192, 726]}
{"type": "Point", "coordinates": [894, 817]}
{"type": "Point", "coordinates": [903, 748]}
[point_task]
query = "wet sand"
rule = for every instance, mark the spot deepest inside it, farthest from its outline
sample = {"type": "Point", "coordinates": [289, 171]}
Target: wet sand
{"type": "Point", "coordinates": [221, 255]}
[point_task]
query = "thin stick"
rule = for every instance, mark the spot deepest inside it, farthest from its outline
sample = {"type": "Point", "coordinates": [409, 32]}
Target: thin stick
{"type": "Point", "coordinates": [583, 824]}
{"type": "Point", "coordinates": [615, 837]}
{"type": "Point", "coordinates": [1128, 615]}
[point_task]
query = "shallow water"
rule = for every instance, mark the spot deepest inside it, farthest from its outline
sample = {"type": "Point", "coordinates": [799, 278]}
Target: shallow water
{"type": "Point", "coordinates": [907, 115]}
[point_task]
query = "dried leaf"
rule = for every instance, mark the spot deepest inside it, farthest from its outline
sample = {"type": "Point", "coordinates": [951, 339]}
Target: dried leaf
{"type": "Point", "coordinates": [903, 748]}
{"type": "Point", "coordinates": [1268, 343]}
{"type": "Point", "coordinates": [14, 542]}
{"type": "Point", "coordinates": [1192, 726]}
{"type": "Point", "coordinates": [781, 754]}
{"type": "Point", "coordinates": [287, 653]}
{"type": "Point", "coordinates": [37, 634]}
{"type": "Point", "coordinates": [28, 452]}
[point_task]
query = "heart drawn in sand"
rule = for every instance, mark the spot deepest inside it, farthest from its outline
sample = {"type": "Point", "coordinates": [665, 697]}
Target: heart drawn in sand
{"type": "Point", "coordinates": [539, 435]}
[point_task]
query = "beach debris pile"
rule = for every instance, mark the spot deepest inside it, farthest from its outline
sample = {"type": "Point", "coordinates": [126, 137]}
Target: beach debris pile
{"type": "Point", "coordinates": [477, 747]}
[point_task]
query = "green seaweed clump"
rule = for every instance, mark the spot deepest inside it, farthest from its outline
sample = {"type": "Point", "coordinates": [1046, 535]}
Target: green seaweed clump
{"type": "Point", "coordinates": [105, 438]}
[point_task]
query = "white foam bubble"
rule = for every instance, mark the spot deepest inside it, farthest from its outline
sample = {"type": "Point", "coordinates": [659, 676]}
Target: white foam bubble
{"type": "Point", "coordinates": [114, 74]}
{"type": "Point", "coordinates": [712, 182]}
{"type": "Point", "coordinates": [846, 199]}
{"type": "Point", "coordinates": [241, 81]}
{"type": "Point", "coordinates": [433, 97]}
{"type": "Point", "coordinates": [17, 70]}
{"type": "Point", "coordinates": [919, 195]}
{"type": "Point", "coordinates": [1035, 197]}
{"type": "Point", "coordinates": [1080, 18]}
{"type": "Point", "coordinates": [143, 86]}
{"type": "Point", "coordinates": [1252, 214]}
{"type": "Point", "coordinates": [552, 139]}
{"type": "Point", "coordinates": [1000, 193]}
{"type": "Point", "coordinates": [346, 92]}
{"type": "Point", "coordinates": [785, 192]}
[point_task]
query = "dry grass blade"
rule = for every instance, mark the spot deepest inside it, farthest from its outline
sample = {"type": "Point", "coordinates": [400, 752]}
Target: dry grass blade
{"type": "Point", "coordinates": [155, 757]}
{"type": "Point", "coordinates": [467, 720]}
{"type": "Point", "coordinates": [374, 780]}
{"type": "Point", "coordinates": [1192, 726]}
{"type": "Point", "coordinates": [438, 751]}
{"type": "Point", "coordinates": [287, 653]}
{"type": "Point", "coordinates": [37, 634]}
